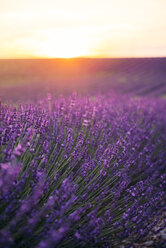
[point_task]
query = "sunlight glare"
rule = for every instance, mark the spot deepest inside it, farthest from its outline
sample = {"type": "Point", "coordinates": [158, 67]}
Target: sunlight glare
{"type": "Point", "coordinates": [64, 43]}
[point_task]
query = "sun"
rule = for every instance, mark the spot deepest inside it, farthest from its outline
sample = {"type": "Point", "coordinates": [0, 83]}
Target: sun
{"type": "Point", "coordinates": [62, 51]}
{"type": "Point", "coordinates": [64, 43]}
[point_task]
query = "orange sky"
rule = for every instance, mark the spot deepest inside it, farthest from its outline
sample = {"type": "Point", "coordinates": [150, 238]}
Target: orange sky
{"type": "Point", "coordinates": [92, 28]}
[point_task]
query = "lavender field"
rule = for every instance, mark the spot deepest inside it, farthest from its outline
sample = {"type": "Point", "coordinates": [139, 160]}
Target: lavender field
{"type": "Point", "coordinates": [83, 153]}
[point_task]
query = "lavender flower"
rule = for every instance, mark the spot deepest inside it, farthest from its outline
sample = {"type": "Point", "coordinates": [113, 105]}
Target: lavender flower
{"type": "Point", "coordinates": [75, 172]}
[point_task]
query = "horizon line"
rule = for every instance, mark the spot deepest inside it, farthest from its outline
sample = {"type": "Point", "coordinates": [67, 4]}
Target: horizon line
{"type": "Point", "coordinates": [72, 58]}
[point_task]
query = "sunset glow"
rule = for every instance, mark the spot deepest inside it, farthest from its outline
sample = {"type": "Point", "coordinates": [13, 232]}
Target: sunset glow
{"type": "Point", "coordinates": [89, 28]}
{"type": "Point", "coordinates": [65, 43]}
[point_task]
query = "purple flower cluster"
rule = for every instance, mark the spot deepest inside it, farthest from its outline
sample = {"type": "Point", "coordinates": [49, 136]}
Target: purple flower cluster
{"type": "Point", "coordinates": [81, 171]}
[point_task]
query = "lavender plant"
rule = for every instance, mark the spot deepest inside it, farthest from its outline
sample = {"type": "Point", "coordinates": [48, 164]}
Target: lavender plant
{"type": "Point", "coordinates": [81, 171]}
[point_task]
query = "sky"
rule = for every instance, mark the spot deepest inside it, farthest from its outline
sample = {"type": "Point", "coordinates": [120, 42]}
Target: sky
{"type": "Point", "coordinates": [82, 28]}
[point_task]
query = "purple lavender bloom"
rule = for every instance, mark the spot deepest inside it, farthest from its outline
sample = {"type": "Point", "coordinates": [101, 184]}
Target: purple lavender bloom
{"type": "Point", "coordinates": [75, 172]}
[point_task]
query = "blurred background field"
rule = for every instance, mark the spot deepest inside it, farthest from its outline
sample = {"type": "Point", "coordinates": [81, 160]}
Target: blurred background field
{"type": "Point", "coordinates": [27, 79]}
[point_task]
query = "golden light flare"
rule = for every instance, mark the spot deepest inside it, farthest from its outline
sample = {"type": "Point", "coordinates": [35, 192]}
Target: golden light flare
{"type": "Point", "coordinates": [64, 43]}
{"type": "Point", "coordinates": [54, 50]}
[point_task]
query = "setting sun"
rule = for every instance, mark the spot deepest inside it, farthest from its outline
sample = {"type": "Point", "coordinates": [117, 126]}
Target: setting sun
{"type": "Point", "coordinates": [63, 43]}
{"type": "Point", "coordinates": [61, 52]}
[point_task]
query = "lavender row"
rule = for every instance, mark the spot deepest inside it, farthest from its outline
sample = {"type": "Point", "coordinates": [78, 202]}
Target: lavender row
{"type": "Point", "coordinates": [81, 171]}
